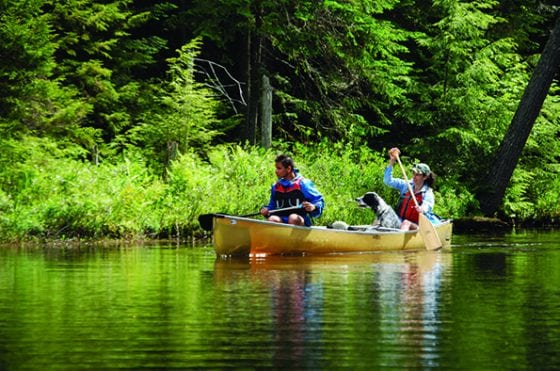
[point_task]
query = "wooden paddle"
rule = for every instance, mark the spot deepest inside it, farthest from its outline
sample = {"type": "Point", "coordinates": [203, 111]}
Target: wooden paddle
{"type": "Point", "coordinates": [425, 227]}
{"type": "Point", "coordinates": [206, 220]}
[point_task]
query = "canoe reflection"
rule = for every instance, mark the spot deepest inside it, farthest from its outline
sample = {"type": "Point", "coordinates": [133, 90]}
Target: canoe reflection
{"type": "Point", "coordinates": [421, 260]}
{"type": "Point", "coordinates": [394, 295]}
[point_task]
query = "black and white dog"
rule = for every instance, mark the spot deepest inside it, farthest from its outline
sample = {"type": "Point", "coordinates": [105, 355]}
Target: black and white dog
{"type": "Point", "coordinates": [385, 216]}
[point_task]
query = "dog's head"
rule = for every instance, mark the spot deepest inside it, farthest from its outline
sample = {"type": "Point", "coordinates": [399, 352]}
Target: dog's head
{"type": "Point", "coordinates": [370, 199]}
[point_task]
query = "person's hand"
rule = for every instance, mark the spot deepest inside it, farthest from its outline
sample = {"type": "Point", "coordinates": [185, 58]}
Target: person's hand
{"type": "Point", "coordinates": [419, 209]}
{"type": "Point", "coordinates": [308, 206]}
{"type": "Point", "coordinates": [394, 152]}
{"type": "Point", "coordinates": [264, 211]}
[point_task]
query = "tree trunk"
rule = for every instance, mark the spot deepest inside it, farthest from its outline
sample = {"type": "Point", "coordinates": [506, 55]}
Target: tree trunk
{"type": "Point", "coordinates": [492, 192]}
{"type": "Point", "coordinates": [254, 76]}
{"type": "Point", "coordinates": [266, 113]}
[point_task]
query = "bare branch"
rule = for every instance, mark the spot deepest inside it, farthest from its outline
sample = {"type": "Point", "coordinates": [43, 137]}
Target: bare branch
{"type": "Point", "coordinates": [214, 82]}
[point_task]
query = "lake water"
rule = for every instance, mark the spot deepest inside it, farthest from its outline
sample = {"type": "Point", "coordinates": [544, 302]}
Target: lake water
{"type": "Point", "coordinates": [492, 302]}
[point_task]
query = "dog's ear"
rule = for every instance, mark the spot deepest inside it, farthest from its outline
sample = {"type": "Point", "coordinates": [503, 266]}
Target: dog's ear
{"type": "Point", "coordinates": [371, 199]}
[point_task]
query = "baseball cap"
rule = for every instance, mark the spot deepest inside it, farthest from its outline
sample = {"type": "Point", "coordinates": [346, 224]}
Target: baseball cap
{"type": "Point", "coordinates": [422, 168]}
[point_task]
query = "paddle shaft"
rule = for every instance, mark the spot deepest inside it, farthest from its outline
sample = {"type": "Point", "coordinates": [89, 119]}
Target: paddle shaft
{"type": "Point", "coordinates": [273, 211]}
{"type": "Point", "coordinates": [205, 220]}
{"type": "Point", "coordinates": [284, 209]}
{"type": "Point", "coordinates": [407, 182]}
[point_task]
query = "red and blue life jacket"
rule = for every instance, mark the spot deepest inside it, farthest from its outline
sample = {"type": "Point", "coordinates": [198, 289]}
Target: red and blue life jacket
{"type": "Point", "coordinates": [288, 196]}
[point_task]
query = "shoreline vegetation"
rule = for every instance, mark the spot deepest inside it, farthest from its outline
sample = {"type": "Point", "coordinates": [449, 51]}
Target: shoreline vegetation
{"type": "Point", "coordinates": [127, 120]}
{"type": "Point", "coordinates": [56, 198]}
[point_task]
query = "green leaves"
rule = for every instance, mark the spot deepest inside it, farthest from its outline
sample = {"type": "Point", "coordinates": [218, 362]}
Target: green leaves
{"type": "Point", "coordinates": [440, 79]}
{"type": "Point", "coordinates": [187, 116]}
{"type": "Point", "coordinates": [473, 85]}
{"type": "Point", "coordinates": [347, 65]}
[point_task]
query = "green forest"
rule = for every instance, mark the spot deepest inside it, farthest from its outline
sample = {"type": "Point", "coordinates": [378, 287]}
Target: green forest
{"type": "Point", "coordinates": [128, 119]}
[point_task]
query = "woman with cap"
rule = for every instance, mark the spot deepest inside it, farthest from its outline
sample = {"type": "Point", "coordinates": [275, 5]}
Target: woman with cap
{"type": "Point", "coordinates": [421, 183]}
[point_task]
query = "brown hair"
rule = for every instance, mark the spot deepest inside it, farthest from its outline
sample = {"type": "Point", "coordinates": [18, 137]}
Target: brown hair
{"type": "Point", "coordinates": [430, 179]}
{"type": "Point", "coordinates": [285, 160]}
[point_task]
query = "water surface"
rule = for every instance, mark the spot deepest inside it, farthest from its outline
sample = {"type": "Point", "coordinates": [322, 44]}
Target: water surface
{"type": "Point", "coordinates": [492, 302]}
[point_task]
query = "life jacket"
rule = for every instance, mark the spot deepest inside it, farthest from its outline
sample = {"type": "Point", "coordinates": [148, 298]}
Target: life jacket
{"type": "Point", "coordinates": [288, 196]}
{"type": "Point", "coordinates": [405, 207]}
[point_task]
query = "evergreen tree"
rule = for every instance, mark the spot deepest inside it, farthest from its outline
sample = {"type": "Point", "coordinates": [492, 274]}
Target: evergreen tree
{"type": "Point", "coordinates": [186, 119]}
{"type": "Point", "coordinates": [98, 55]}
{"type": "Point", "coordinates": [337, 68]}
{"type": "Point", "coordinates": [493, 189]}
{"type": "Point", "coordinates": [464, 99]}
{"type": "Point", "coordinates": [32, 99]}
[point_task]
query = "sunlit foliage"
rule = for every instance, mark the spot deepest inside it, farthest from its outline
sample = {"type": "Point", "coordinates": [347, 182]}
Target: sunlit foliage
{"type": "Point", "coordinates": [123, 119]}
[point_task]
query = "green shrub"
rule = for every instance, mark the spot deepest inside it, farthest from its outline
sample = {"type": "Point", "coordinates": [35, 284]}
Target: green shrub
{"type": "Point", "coordinates": [48, 194]}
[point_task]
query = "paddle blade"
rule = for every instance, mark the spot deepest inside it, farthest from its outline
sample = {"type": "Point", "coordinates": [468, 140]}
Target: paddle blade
{"type": "Point", "coordinates": [206, 221]}
{"type": "Point", "coordinates": [428, 233]}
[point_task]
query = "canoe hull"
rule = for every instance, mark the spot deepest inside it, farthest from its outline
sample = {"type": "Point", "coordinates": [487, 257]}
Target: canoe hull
{"type": "Point", "coordinates": [234, 236]}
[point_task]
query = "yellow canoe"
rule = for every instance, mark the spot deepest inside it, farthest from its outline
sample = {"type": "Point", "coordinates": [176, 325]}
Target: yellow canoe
{"type": "Point", "coordinates": [233, 235]}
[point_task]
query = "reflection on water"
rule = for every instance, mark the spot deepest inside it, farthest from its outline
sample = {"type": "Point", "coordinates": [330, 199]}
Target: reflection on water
{"type": "Point", "coordinates": [338, 301]}
{"type": "Point", "coordinates": [489, 303]}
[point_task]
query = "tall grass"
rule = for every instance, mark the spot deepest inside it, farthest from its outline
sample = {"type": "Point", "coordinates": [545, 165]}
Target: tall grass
{"type": "Point", "coordinates": [49, 196]}
{"type": "Point", "coordinates": [69, 198]}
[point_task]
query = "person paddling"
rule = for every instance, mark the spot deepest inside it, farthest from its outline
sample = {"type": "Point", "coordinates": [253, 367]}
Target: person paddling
{"type": "Point", "coordinates": [421, 183]}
